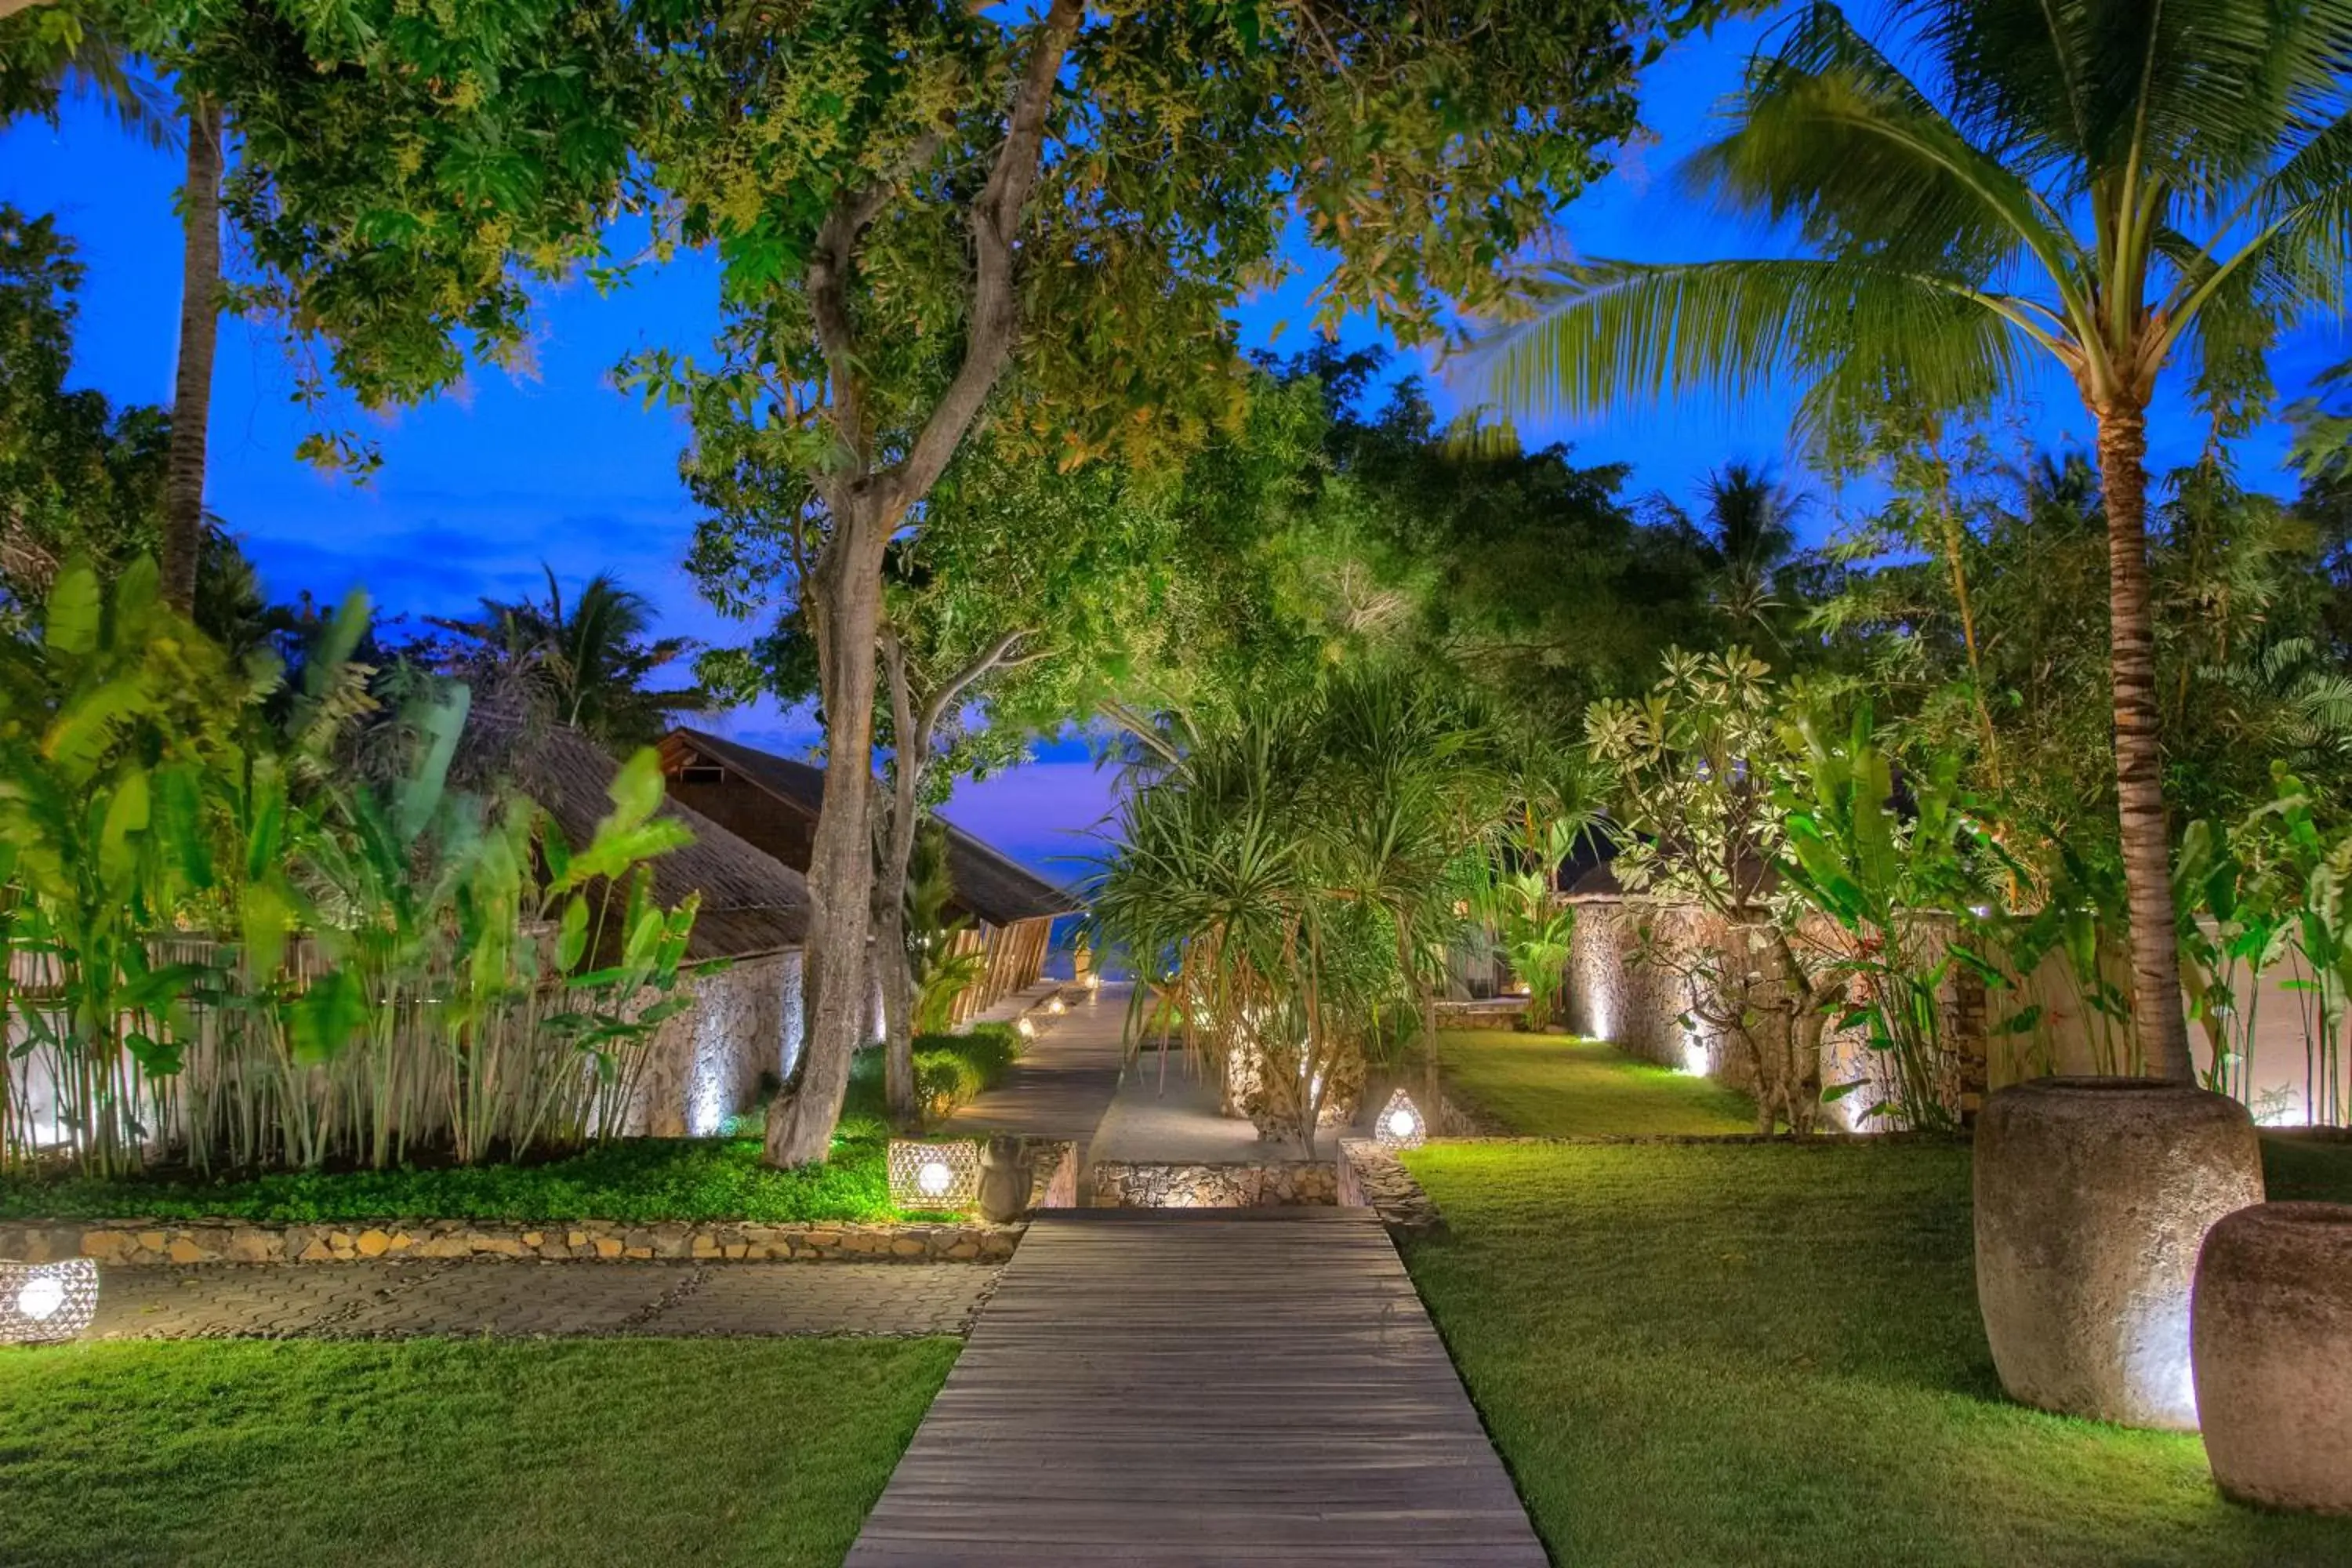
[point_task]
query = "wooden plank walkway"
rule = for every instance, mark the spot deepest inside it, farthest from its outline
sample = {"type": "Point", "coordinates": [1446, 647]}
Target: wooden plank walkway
{"type": "Point", "coordinates": [1184, 1388]}
{"type": "Point", "coordinates": [1064, 1081]}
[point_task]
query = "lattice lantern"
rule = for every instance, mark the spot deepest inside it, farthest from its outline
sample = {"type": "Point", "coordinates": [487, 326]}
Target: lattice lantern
{"type": "Point", "coordinates": [934, 1175]}
{"type": "Point", "coordinates": [1400, 1125]}
{"type": "Point", "coordinates": [41, 1301]}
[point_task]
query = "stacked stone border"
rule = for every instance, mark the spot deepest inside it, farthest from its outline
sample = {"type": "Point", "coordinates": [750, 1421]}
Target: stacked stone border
{"type": "Point", "coordinates": [1373, 1177]}
{"type": "Point", "coordinates": [151, 1242]}
{"type": "Point", "coordinates": [1281, 1183]}
{"type": "Point", "coordinates": [159, 1241]}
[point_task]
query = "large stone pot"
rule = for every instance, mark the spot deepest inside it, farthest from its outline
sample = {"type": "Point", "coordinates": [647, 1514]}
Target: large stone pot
{"type": "Point", "coordinates": [2093, 1195]}
{"type": "Point", "coordinates": [2274, 1348]}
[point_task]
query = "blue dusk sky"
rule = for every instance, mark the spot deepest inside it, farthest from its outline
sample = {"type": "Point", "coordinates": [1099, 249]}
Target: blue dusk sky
{"type": "Point", "coordinates": [479, 487]}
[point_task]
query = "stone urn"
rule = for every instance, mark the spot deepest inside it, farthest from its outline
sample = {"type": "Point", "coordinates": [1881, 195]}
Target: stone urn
{"type": "Point", "coordinates": [1006, 1174]}
{"type": "Point", "coordinates": [2274, 1350]}
{"type": "Point", "coordinates": [2093, 1195]}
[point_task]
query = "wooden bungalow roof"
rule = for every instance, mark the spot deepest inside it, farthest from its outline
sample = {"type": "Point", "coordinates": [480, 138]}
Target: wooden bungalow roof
{"type": "Point", "coordinates": [752, 903]}
{"type": "Point", "coordinates": [987, 882]}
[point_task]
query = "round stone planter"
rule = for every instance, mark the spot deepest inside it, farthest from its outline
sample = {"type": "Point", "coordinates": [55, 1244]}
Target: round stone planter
{"type": "Point", "coordinates": [2274, 1350]}
{"type": "Point", "coordinates": [2093, 1195]}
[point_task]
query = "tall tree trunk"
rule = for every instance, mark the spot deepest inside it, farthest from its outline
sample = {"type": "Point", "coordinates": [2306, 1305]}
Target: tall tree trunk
{"type": "Point", "coordinates": [2162, 1031]}
{"type": "Point", "coordinates": [844, 590]}
{"type": "Point", "coordinates": [909, 749]}
{"type": "Point", "coordinates": [192, 391]}
{"type": "Point", "coordinates": [845, 613]}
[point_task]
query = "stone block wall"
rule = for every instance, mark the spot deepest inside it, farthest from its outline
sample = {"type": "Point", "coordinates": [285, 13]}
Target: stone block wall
{"type": "Point", "coordinates": [704, 1063]}
{"type": "Point", "coordinates": [1373, 1177]}
{"type": "Point", "coordinates": [1118, 1183]}
{"type": "Point", "coordinates": [1639, 1007]}
{"type": "Point", "coordinates": [149, 1242]}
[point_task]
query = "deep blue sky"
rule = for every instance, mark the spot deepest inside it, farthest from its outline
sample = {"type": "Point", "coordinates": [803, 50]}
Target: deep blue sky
{"type": "Point", "coordinates": [480, 487]}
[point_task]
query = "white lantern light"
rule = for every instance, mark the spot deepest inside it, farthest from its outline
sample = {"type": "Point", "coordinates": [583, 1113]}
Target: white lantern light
{"type": "Point", "coordinates": [1400, 1125]}
{"type": "Point", "coordinates": [943, 1175]}
{"type": "Point", "coordinates": [46, 1300]}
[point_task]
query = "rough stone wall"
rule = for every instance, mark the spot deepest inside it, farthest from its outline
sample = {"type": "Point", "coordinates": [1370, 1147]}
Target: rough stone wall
{"type": "Point", "coordinates": [1373, 1177]}
{"type": "Point", "coordinates": [134, 1241]}
{"type": "Point", "coordinates": [1116, 1184]}
{"type": "Point", "coordinates": [1639, 1007]}
{"type": "Point", "coordinates": [704, 1063]}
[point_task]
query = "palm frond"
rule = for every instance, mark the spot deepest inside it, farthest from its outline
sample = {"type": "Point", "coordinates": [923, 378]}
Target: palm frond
{"type": "Point", "coordinates": [1607, 331]}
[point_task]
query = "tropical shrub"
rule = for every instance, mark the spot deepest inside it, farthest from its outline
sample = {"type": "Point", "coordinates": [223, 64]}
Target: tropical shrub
{"type": "Point", "coordinates": [225, 943]}
{"type": "Point", "coordinates": [1290, 878]}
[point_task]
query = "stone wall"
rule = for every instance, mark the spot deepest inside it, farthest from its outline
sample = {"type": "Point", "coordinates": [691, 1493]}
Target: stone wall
{"type": "Point", "coordinates": [1057, 1175]}
{"type": "Point", "coordinates": [1117, 1184]}
{"type": "Point", "coordinates": [704, 1063]}
{"type": "Point", "coordinates": [592, 1240]}
{"type": "Point", "coordinates": [1373, 1177]}
{"type": "Point", "coordinates": [1639, 1007]}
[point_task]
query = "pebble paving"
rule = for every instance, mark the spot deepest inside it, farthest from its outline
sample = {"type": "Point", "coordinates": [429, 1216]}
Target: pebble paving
{"type": "Point", "coordinates": [524, 1299]}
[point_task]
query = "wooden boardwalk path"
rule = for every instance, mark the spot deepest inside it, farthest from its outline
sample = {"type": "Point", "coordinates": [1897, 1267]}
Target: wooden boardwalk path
{"type": "Point", "coordinates": [1064, 1081]}
{"type": "Point", "coordinates": [1206, 1386]}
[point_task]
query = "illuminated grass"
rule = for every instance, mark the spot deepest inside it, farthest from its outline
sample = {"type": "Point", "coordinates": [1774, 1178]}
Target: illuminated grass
{"type": "Point", "coordinates": [1556, 1086]}
{"type": "Point", "coordinates": [1771, 1355]}
{"type": "Point", "coordinates": [508, 1454]}
{"type": "Point", "coordinates": [637, 1180]}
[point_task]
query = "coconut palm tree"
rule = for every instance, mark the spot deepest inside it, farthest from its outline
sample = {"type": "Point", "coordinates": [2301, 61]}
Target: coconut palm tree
{"type": "Point", "coordinates": [2123, 186]}
{"type": "Point", "coordinates": [585, 663]}
{"type": "Point", "coordinates": [1751, 516]}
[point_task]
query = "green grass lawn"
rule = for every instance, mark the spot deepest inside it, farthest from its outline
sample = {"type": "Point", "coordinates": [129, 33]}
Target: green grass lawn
{"type": "Point", "coordinates": [1771, 1355]}
{"type": "Point", "coordinates": [1556, 1086]}
{"type": "Point", "coordinates": [640, 1180]}
{"type": "Point", "coordinates": [502, 1453]}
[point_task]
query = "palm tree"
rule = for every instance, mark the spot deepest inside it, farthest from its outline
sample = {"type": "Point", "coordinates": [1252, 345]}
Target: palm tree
{"type": "Point", "coordinates": [585, 663]}
{"type": "Point", "coordinates": [1752, 517]}
{"type": "Point", "coordinates": [37, 65]}
{"type": "Point", "coordinates": [2122, 185]}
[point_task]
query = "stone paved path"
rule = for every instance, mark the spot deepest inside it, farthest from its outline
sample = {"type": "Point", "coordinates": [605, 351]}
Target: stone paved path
{"type": "Point", "coordinates": [1188, 1388]}
{"type": "Point", "coordinates": [396, 1301]}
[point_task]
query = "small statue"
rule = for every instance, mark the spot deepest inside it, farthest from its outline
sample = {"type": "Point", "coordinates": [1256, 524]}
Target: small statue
{"type": "Point", "coordinates": [1006, 1174]}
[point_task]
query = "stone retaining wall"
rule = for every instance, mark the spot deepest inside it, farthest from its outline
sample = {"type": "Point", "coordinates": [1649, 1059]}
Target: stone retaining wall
{"type": "Point", "coordinates": [592, 1240]}
{"type": "Point", "coordinates": [1120, 1185]}
{"type": "Point", "coordinates": [1373, 1177]}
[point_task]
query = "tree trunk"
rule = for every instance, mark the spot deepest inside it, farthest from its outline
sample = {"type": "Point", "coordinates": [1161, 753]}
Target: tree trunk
{"type": "Point", "coordinates": [909, 752]}
{"type": "Point", "coordinates": [2162, 1033]}
{"type": "Point", "coordinates": [192, 392]}
{"type": "Point", "coordinates": [844, 610]}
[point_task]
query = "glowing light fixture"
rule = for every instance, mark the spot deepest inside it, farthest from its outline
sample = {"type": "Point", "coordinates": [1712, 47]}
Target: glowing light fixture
{"type": "Point", "coordinates": [1400, 1125]}
{"type": "Point", "coordinates": [934, 1175]}
{"type": "Point", "coordinates": [46, 1300]}
{"type": "Point", "coordinates": [1027, 1030]}
{"type": "Point", "coordinates": [1054, 1007]}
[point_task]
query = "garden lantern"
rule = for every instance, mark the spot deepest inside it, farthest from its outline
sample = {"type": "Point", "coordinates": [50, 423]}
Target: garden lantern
{"type": "Point", "coordinates": [933, 1175]}
{"type": "Point", "coordinates": [40, 1301]}
{"type": "Point", "coordinates": [1400, 1125]}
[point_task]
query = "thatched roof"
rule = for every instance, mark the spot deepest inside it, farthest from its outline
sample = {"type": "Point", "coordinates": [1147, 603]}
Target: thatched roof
{"type": "Point", "coordinates": [987, 883]}
{"type": "Point", "coordinates": [751, 902]}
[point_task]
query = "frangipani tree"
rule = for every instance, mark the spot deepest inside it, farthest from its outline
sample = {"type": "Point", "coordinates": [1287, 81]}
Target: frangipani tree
{"type": "Point", "coordinates": [934, 215]}
{"type": "Point", "coordinates": [2122, 187]}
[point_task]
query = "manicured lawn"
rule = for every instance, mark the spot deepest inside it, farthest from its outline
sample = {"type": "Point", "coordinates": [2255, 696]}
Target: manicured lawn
{"type": "Point", "coordinates": [1771, 1355]}
{"type": "Point", "coordinates": [1556, 1086]}
{"type": "Point", "coordinates": [640, 1179]}
{"type": "Point", "coordinates": [498, 1453]}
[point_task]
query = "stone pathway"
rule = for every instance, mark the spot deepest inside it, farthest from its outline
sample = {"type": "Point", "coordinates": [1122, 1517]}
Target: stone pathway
{"type": "Point", "coordinates": [401, 1301]}
{"type": "Point", "coordinates": [1201, 1387]}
